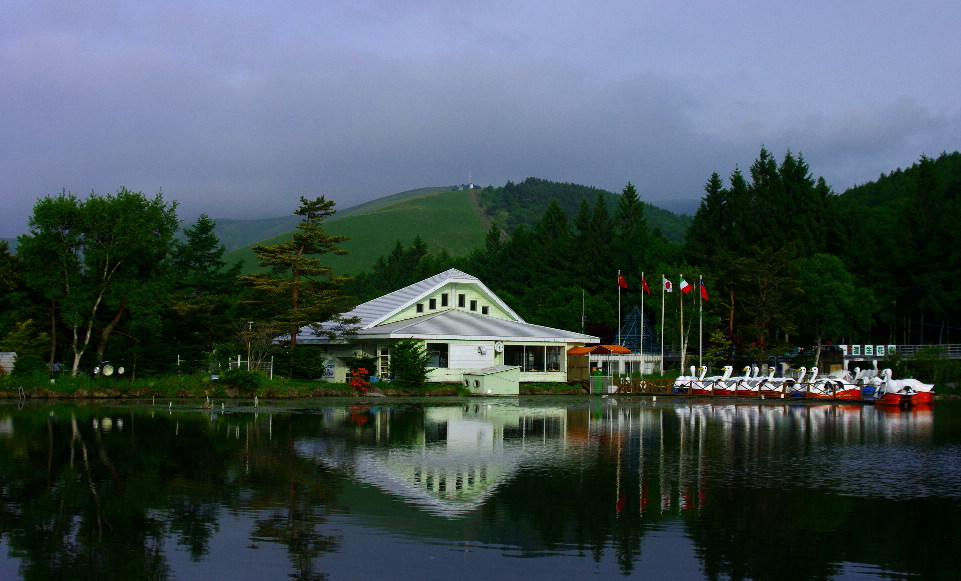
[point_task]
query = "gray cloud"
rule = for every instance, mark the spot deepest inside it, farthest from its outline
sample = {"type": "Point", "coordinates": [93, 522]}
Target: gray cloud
{"type": "Point", "coordinates": [237, 111]}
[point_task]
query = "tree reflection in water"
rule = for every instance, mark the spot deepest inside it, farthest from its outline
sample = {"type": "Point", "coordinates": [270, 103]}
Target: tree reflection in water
{"type": "Point", "coordinates": [759, 491]}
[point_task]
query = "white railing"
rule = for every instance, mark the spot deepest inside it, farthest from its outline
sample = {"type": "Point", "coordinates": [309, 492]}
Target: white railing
{"type": "Point", "coordinates": [265, 367]}
{"type": "Point", "coordinates": [952, 350]}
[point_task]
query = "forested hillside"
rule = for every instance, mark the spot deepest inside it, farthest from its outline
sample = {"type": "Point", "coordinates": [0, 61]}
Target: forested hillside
{"type": "Point", "coordinates": [446, 221]}
{"type": "Point", "coordinates": [525, 203]}
{"type": "Point", "coordinates": [548, 268]}
{"type": "Point", "coordinates": [786, 261]}
{"type": "Point", "coordinates": [899, 237]}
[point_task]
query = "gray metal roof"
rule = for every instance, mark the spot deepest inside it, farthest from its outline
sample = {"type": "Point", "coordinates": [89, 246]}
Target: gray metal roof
{"type": "Point", "coordinates": [446, 324]}
{"type": "Point", "coordinates": [377, 310]}
{"type": "Point", "coordinates": [455, 324]}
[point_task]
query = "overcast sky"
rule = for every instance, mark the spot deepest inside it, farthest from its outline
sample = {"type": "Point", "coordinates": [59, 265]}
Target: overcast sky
{"type": "Point", "coordinates": [235, 109]}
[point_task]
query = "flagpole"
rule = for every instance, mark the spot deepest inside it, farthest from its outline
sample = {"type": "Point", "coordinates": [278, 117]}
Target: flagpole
{"type": "Point", "coordinates": [643, 282]}
{"type": "Point", "coordinates": [683, 347]}
{"type": "Point", "coordinates": [619, 306]}
{"type": "Point", "coordinates": [582, 309]}
{"type": "Point", "coordinates": [700, 325]}
{"type": "Point", "coordinates": [663, 294]}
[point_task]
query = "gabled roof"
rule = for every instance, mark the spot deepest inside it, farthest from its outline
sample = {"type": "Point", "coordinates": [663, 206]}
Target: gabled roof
{"type": "Point", "coordinates": [455, 324]}
{"type": "Point", "coordinates": [375, 311]}
{"type": "Point", "coordinates": [445, 324]}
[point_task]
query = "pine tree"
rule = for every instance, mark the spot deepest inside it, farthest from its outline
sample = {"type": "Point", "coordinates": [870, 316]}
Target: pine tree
{"type": "Point", "coordinates": [204, 290]}
{"type": "Point", "coordinates": [299, 289]}
{"type": "Point", "coordinates": [630, 229]}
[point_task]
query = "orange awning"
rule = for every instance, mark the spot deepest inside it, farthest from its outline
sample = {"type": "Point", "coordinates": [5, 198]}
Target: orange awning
{"type": "Point", "coordinates": [598, 350]}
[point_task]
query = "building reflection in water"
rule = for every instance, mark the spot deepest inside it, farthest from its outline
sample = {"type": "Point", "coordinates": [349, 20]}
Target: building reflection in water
{"type": "Point", "coordinates": [664, 454]}
{"type": "Point", "coordinates": [727, 485]}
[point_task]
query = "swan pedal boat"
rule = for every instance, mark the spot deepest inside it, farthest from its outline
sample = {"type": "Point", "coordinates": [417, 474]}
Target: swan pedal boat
{"type": "Point", "coordinates": [902, 392]}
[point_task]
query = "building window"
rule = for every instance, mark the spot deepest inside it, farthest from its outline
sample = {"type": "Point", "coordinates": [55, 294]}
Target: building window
{"type": "Point", "coordinates": [433, 304]}
{"type": "Point", "coordinates": [420, 307]}
{"type": "Point", "coordinates": [443, 300]}
{"type": "Point", "coordinates": [485, 310]}
{"type": "Point", "coordinates": [473, 305]}
{"type": "Point", "coordinates": [384, 362]}
{"type": "Point", "coordinates": [533, 357]}
{"type": "Point", "coordinates": [461, 301]}
{"type": "Point", "coordinates": [437, 355]}
{"type": "Point", "coordinates": [553, 358]}
{"type": "Point", "coordinates": [514, 355]}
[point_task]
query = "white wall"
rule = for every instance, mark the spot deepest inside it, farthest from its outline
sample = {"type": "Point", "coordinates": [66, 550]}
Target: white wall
{"type": "Point", "coordinates": [468, 356]}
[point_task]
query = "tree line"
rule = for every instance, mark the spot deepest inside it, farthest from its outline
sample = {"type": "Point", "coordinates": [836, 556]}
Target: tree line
{"type": "Point", "coordinates": [787, 262]}
{"type": "Point", "coordinates": [107, 278]}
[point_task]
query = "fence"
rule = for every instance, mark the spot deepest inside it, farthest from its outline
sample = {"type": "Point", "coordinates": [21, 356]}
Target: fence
{"type": "Point", "coordinates": [265, 367]}
{"type": "Point", "coordinates": [953, 350]}
{"type": "Point", "coordinates": [206, 366]}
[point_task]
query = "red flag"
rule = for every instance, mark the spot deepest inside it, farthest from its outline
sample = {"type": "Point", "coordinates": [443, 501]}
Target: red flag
{"type": "Point", "coordinates": [703, 290]}
{"type": "Point", "coordinates": [620, 281]}
{"type": "Point", "coordinates": [646, 288]}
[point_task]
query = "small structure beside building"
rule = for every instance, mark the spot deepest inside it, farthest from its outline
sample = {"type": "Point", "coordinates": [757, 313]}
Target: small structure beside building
{"type": "Point", "coordinates": [494, 380]}
{"type": "Point", "coordinates": [582, 361]}
{"type": "Point", "coordinates": [461, 323]}
{"type": "Point", "coordinates": [609, 360]}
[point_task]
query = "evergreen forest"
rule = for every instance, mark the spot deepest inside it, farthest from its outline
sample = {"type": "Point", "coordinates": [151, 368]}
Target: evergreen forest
{"type": "Point", "coordinates": [786, 263]}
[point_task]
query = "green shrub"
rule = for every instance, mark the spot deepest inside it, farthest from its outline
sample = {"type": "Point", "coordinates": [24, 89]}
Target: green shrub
{"type": "Point", "coordinates": [30, 365]}
{"type": "Point", "coordinates": [246, 382]}
{"type": "Point", "coordinates": [408, 363]}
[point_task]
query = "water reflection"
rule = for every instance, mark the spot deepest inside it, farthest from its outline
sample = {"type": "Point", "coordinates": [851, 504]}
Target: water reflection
{"type": "Point", "coordinates": [455, 461]}
{"type": "Point", "coordinates": [585, 486]}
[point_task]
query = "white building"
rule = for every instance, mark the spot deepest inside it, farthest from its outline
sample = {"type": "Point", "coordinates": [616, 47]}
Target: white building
{"type": "Point", "coordinates": [463, 326]}
{"type": "Point", "coordinates": [7, 360]}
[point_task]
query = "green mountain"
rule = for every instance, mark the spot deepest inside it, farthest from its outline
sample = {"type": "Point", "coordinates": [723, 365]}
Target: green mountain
{"type": "Point", "coordinates": [455, 221]}
{"type": "Point", "coordinates": [444, 219]}
{"type": "Point", "coordinates": [237, 234]}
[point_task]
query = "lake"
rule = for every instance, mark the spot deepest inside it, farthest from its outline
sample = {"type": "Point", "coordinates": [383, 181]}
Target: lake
{"type": "Point", "coordinates": [506, 488]}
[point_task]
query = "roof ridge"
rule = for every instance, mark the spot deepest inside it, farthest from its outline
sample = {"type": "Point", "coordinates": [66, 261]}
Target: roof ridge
{"type": "Point", "coordinates": [391, 302]}
{"type": "Point", "coordinates": [419, 319]}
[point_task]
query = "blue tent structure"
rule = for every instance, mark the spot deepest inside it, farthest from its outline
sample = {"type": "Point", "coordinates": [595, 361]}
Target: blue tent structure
{"type": "Point", "coordinates": [631, 333]}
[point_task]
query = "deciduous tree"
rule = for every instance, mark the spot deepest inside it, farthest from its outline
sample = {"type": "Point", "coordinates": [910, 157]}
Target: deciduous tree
{"type": "Point", "coordinates": [833, 306]}
{"type": "Point", "coordinates": [99, 259]}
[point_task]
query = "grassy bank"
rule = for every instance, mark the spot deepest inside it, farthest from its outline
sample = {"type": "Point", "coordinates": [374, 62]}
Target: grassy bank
{"type": "Point", "coordinates": [202, 386]}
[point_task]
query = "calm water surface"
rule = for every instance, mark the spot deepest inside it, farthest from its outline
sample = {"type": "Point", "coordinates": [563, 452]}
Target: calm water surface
{"type": "Point", "coordinates": [529, 488]}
